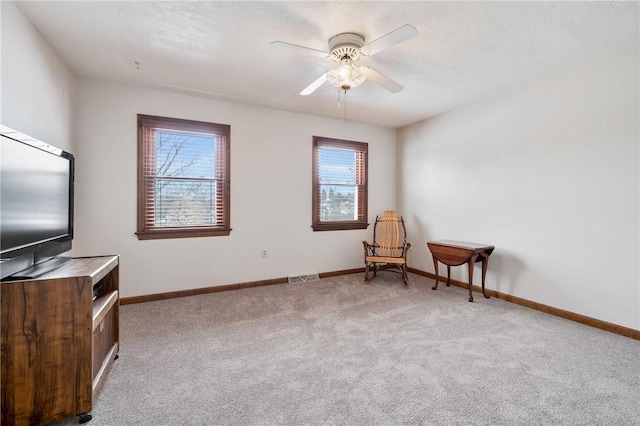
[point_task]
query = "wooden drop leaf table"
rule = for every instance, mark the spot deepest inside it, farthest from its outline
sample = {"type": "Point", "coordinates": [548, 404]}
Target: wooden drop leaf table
{"type": "Point", "coordinates": [455, 253]}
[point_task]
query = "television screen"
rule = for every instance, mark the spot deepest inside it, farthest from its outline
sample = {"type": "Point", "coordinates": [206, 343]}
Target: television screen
{"type": "Point", "coordinates": [35, 196]}
{"type": "Point", "coordinates": [36, 200]}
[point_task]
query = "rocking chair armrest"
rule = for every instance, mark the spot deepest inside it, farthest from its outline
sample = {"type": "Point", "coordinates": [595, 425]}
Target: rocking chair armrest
{"type": "Point", "coordinates": [369, 248]}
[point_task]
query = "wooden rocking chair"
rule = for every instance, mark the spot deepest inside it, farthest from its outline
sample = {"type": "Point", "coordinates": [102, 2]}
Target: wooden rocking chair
{"type": "Point", "coordinates": [389, 247]}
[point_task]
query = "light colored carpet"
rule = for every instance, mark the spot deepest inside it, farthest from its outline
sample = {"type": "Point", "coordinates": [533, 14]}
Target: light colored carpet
{"type": "Point", "coordinates": [343, 352]}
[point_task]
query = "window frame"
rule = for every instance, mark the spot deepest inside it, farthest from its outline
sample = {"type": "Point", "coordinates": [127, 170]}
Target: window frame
{"type": "Point", "coordinates": [342, 225]}
{"type": "Point", "coordinates": [145, 231]}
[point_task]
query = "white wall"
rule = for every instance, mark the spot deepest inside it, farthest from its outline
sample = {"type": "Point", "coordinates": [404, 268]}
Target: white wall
{"type": "Point", "coordinates": [270, 192]}
{"type": "Point", "coordinates": [37, 88]}
{"type": "Point", "coordinates": [548, 174]}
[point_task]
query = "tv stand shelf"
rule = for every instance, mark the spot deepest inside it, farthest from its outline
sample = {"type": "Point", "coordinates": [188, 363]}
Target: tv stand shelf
{"type": "Point", "coordinates": [58, 342]}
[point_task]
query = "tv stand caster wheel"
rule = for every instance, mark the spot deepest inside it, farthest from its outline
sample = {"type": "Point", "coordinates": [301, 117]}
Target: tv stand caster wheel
{"type": "Point", "coordinates": [116, 357]}
{"type": "Point", "coordinates": [84, 418]}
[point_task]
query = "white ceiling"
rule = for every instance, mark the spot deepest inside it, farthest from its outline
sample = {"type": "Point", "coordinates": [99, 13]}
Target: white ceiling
{"type": "Point", "coordinates": [222, 50]}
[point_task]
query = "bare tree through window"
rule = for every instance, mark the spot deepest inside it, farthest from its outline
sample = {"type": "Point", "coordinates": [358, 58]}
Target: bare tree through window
{"type": "Point", "coordinates": [185, 184]}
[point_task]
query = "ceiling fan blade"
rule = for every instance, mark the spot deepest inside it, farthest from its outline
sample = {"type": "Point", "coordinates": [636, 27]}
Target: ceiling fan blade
{"type": "Point", "coordinates": [300, 49]}
{"type": "Point", "coordinates": [397, 36]}
{"type": "Point", "coordinates": [313, 86]}
{"type": "Point", "coordinates": [382, 80]}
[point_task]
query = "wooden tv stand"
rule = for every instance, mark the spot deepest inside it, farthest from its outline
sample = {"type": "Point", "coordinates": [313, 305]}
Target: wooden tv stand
{"type": "Point", "coordinates": [58, 343]}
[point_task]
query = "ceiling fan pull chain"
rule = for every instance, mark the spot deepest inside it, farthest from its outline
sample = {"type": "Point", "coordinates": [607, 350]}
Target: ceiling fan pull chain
{"type": "Point", "coordinates": [345, 107]}
{"type": "Point", "coordinates": [338, 97]}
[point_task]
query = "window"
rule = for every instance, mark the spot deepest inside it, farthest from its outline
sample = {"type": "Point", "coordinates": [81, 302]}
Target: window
{"type": "Point", "coordinates": [183, 178]}
{"type": "Point", "coordinates": [339, 184]}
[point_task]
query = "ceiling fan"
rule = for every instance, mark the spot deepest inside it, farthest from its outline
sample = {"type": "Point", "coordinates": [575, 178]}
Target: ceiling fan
{"type": "Point", "coordinates": [347, 49]}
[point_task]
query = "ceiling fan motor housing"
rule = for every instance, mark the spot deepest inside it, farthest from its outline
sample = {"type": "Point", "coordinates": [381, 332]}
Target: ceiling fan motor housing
{"type": "Point", "coordinates": [346, 46]}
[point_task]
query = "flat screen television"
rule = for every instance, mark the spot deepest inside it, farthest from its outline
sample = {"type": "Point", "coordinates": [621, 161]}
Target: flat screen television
{"type": "Point", "coordinates": [36, 205]}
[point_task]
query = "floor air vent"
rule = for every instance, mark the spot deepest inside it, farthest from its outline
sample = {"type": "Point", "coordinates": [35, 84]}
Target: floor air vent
{"type": "Point", "coordinates": [303, 278]}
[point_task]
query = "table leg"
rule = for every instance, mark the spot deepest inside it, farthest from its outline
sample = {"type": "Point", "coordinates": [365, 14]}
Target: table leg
{"type": "Point", "coordinates": [448, 275]}
{"type": "Point", "coordinates": [435, 265]}
{"type": "Point", "coordinates": [485, 261]}
{"type": "Point", "coordinates": [472, 262]}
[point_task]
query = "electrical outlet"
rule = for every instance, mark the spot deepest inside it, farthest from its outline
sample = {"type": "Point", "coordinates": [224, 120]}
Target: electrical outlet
{"type": "Point", "coordinates": [264, 253]}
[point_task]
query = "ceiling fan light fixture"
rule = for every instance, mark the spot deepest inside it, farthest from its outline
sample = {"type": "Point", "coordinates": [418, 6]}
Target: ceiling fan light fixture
{"type": "Point", "coordinates": [346, 75]}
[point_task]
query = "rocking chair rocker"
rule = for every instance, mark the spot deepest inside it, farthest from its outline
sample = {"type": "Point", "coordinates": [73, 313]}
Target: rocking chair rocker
{"type": "Point", "coordinates": [389, 247]}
